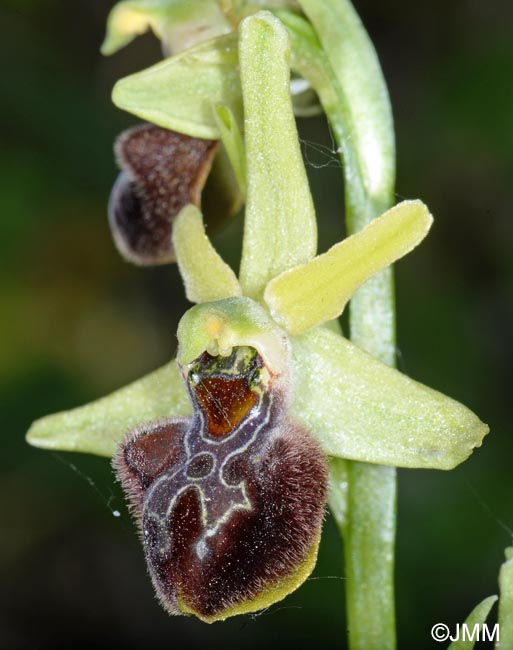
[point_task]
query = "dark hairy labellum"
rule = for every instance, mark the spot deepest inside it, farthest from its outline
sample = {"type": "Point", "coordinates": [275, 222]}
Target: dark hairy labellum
{"type": "Point", "coordinates": [162, 171]}
{"type": "Point", "coordinates": [230, 502]}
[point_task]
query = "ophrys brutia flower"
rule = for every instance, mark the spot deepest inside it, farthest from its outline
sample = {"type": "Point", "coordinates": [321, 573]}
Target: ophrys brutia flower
{"type": "Point", "coordinates": [223, 452]}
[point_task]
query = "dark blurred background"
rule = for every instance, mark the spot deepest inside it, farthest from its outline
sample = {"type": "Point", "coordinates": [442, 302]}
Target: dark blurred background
{"type": "Point", "coordinates": [78, 322]}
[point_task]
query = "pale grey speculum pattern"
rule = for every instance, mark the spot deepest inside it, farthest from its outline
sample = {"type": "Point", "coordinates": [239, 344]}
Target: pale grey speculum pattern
{"type": "Point", "coordinates": [231, 407]}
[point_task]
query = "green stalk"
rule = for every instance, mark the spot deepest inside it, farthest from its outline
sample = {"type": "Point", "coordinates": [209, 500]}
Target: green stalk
{"type": "Point", "coordinates": [355, 98]}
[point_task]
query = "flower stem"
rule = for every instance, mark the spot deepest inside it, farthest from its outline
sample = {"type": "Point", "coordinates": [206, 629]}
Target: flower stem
{"type": "Point", "coordinates": [369, 530]}
{"type": "Point", "coordinates": [355, 98]}
{"type": "Point", "coordinates": [369, 556]}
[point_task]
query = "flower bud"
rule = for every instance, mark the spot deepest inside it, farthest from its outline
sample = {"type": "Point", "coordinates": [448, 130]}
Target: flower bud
{"type": "Point", "coordinates": [162, 171]}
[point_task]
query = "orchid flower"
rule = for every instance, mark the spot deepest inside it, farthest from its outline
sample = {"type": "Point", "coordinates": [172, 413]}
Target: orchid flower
{"type": "Point", "coordinates": [223, 452]}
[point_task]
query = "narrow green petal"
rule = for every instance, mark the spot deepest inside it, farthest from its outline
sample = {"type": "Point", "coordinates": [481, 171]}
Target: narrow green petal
{"type": "Point", "coordinates": [178, 23]}
{"type": "Point", "coordinates": [180, 93]}
{"type": "Point", "coordinates": [98, 427]}
{"type": "Point", "coordinates": [233, 143]}
{"type": "Point", "coordinates": [506, 603]}
{"type": "Point", "coordinates": [361, 409]}
{"type": "Point", "coordinates": [280, 228]}
{"type": "Point", "coordinates": [206, 275]}
{"type": "Point", "coordinates": [318, 291]}
{"type": "Point", "coordinates": [477, 617]}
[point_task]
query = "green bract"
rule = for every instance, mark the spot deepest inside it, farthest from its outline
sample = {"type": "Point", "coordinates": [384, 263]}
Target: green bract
{"type": "Point", "coordinates": [506, 602]}
{"type": "Point", "coordinates": [503, 630]}
{"type": "Point", "coordinates": [355, 405]}
{"type": "Point", "coordinates": [477, 617]}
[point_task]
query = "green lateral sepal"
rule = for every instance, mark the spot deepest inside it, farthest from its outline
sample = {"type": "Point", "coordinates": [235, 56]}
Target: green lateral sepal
{"type": "Point", "coordinates": [362, 409]}
{"type": "Point", "coordinates": [180, 93]}
{"type": "Point", "coordinates": [98, 427]}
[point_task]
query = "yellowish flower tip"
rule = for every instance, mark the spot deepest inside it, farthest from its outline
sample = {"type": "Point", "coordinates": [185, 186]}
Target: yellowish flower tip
{"type": "Point", "coordinates": [128, 21]}
{"type": "Point", "coordinates": [123, 25]}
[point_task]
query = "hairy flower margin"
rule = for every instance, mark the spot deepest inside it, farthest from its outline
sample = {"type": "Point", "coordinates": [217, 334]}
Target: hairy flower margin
{"type": "Point", "coordinates": [222, 452]}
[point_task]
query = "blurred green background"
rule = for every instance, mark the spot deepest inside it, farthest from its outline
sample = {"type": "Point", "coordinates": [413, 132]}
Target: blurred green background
{"type": "Point", "coordinates": [77, 322]}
